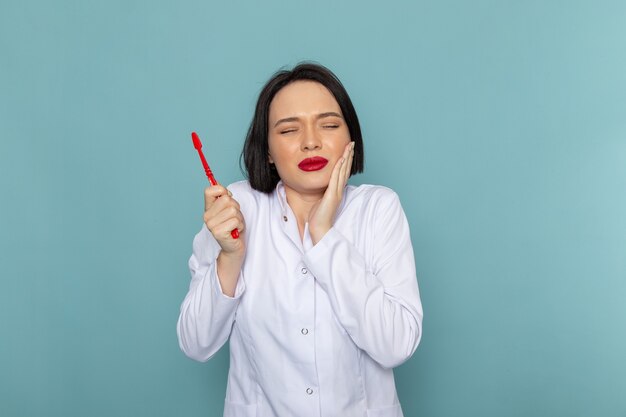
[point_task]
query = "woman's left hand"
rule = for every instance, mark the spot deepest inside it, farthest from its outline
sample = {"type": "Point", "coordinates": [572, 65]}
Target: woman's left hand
{"type": "Point", "coordinates": [322, 215]}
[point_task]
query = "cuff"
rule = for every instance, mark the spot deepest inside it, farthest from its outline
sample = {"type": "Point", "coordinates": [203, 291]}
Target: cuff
{"type": "Point", "coordinates": [239, 289]}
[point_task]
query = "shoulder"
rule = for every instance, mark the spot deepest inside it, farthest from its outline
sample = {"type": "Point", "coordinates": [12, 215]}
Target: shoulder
{"type": "Point", "coordinates": [371, 195]}
{"type": "Point", "coordinates": [380, 209]}
{"type": "Point", "coordinates": [372, 203]}
{"type": "Point", "coordinates": [241, 187]}
{"type": "Point", "coordinates": [246, 196]}
{"type": "Point", "coordinates": [243, 191]}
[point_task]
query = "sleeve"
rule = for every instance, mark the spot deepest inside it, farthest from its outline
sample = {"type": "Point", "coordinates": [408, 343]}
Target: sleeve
{"type": "Point", "coordinates": [379, 306]}
{"type": "Point", "coordinates": [206, 314]}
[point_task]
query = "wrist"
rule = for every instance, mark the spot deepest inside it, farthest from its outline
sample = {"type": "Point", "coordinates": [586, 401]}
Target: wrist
{"type": "Point", "coordinates": [231, 258]}
{"type": "Point", "coordinates": [228, 269]}
{"type": "Point", "coordinates": [317, 233]}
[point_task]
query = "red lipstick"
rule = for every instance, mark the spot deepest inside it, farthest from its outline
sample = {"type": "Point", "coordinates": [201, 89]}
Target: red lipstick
{"type": "Point", "coordinates": [313, 164]}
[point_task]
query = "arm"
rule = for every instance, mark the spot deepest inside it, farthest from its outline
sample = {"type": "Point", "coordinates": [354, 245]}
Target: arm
{"type": "Point", "coordinates": [379, 307]}
{"type": "Point", "coordinates": [208, 311]}
{"type": "Point", "coordinates": [206, 314]}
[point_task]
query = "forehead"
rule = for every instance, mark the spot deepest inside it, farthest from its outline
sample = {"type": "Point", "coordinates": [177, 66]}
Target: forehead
{"type": "Point", "coordinates": [302, 98]}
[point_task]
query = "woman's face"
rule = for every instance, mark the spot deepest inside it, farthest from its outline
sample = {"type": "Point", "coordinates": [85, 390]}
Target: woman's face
{"type": "Point", "coordinates": [307, 136]}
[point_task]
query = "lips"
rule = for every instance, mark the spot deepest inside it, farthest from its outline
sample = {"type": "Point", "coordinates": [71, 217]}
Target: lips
{"type": "Point", "coordinates": [313, 164]}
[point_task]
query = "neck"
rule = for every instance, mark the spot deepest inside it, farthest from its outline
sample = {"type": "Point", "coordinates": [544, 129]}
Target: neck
{"type": "Point", "coordinates": [301, 205]}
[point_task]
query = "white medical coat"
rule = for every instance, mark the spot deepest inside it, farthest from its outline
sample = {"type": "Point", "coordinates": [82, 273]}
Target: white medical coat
{"type": "Point", "coordinates": [314, 330]}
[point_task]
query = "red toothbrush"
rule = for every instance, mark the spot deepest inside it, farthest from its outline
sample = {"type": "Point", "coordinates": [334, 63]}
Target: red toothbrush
{"type": "Point", "coordinates": [198, 145]}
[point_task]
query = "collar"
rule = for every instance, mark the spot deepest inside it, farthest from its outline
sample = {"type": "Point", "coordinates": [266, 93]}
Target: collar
{"type": "Point", "coordinates": [281, 196]}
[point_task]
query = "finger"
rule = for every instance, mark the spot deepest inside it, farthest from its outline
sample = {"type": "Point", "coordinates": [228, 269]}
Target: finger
{"type": "Point", "coordinates": [223, 230]}
{"type": "Point", "coordinates": [344, 169]}
{"type": "Point", "coordinates": [345, 165]}
{"type": "Point", "coordinates": [227, 190]}
{"type": "Point", "coordinates": [335, 175]}
{"type": "Point", "coordinates": [233, 223]}
{"type": "Point", "coordinates": [348, 167]}
{"type": "Point", "coordinates": [218, 206]}
{"type": "Point", "coordinates": [340, 175]}
{"type": "Point", "coordinates": [216, 190]}
{"type": "Point", "coordinates": [224, 201]}
{"type": "Point", "coordinates": [213, 193]}
{"type": "Point", "coordinates": [218, 215]}
{"type": "Point", "coordinates": [222, 210]}
{"type": "Point", "coordinates": [240, 224]}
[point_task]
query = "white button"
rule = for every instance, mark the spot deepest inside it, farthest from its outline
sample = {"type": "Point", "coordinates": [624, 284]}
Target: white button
{"type": "Point", "coordinates": [304, 331]}
{"type": "Point", "coordinates": [309, 391]}
{"type": "Point", "coordinates": [304, 271]}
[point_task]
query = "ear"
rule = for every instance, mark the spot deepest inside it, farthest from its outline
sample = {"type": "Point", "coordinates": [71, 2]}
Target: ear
{"type": "Point", "coordinates": [269, 157]}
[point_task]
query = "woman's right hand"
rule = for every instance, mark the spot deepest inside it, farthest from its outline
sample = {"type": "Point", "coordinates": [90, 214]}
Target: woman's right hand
{"type": "Point", "coordinates": [221, 215]}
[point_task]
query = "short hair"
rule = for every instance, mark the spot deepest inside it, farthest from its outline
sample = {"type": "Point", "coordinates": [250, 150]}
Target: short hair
{"type": "Point", "coordinates": [261, 174]}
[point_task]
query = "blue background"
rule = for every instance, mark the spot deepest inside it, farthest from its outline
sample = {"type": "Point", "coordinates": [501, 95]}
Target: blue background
{"type": "Point", "coordinates": [501, 125]}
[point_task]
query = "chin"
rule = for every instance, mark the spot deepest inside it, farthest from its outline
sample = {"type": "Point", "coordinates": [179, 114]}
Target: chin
{"type": "Point", "coordinates": [319, 183]}
{"type": "Point", "coordinates": [312, 187]}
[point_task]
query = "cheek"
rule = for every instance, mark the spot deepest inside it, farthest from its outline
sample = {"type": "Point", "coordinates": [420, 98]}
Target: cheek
{"type": "Point", "coordinates": [343, 139]}
{"type": "Point", "coordinates": [279, 155]}
{"type": "Point", "coordinates": [271, 150]}
{"type": "Point", "coordinates": [345, 134]}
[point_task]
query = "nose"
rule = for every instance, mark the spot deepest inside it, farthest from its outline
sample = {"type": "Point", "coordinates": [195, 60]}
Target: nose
{"type": "Point", "coordinates": [310, 140]}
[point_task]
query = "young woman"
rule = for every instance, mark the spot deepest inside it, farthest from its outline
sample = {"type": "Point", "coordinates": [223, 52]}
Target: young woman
{"type": "Point", "coordinates": [318, 295]}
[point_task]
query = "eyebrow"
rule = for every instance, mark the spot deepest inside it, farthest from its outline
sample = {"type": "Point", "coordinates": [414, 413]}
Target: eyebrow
{"type": "Point", "coordinates": [319, 116]}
